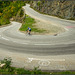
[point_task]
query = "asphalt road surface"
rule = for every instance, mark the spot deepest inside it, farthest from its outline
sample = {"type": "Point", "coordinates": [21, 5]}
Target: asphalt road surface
{"type": "Point", "coordinates": [62, 46]}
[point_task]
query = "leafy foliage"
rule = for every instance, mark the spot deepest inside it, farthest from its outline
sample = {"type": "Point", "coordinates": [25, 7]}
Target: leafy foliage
{"type": "Point", "coordinates": [8, 9]}
{"type": "Point", "coordinates": [39, 3]}
{"type": "Point", "coordinates": [7, 62]}
{"type": "Point", "coordinates": [21, 13]}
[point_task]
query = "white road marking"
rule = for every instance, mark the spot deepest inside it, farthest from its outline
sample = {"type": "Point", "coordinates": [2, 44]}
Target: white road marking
{"type": "Point", "coordinates": [19, 42]}
{"type": "Point", "coordinates": [5, 38]}
{"type": "Point", "coordinates": [66, 29]}
{"type": "Point", "coordinates": [52, 44]}
{"type": "Point", "coordinates": [44, 63]}
{"type": "Point", "coordinates": [46, 59]}
{"type": "Point", "coordinates": [23, 43]}
{"type": "Point", "coordinates": [30, 59]}
{"type": "Point", "coordinates": [42, 44]}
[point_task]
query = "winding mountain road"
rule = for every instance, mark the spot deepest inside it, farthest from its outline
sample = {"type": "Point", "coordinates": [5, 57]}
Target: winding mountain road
{"type": "Point", "coordinates": [47, 51]}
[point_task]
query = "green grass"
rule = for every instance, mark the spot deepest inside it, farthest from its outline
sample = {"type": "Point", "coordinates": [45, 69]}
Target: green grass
{"type": "Point", "coordinates": [13, 70]}
{"type": "Point", "coordinates": [64, 73]}
{"type": "Point", "coordinates": [29, 23]}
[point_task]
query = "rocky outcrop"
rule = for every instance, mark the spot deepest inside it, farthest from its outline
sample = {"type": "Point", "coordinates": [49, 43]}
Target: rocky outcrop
{"type": "Point", "coordinates": [61, 8]}
{"type": "Point", "coordinates": [20, 16]}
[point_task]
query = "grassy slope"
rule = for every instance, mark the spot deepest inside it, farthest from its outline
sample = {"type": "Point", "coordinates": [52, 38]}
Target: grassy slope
{"type": "Point", "coordinates": [29, 23]}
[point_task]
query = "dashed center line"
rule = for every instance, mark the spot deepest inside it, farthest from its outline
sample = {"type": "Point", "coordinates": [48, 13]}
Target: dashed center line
{"type": "Point", "coordinates": [42, 44]}
{"type": "Point", "coordinates": [12, 40]}
{"type": "Point", "coordinates": [5, 38]}
{"type": "Point", "coordinates": [19, 42]}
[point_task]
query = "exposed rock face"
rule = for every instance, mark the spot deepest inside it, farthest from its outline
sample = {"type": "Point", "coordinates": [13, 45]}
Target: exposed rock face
{"type": "Point", "coordinates": [61, 8]}
{"type": "Point", "coordinates": [20, 16]}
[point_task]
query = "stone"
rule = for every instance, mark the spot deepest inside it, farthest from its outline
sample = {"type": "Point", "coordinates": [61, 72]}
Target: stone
{"type": "Point", "coordinates": [60, 8]}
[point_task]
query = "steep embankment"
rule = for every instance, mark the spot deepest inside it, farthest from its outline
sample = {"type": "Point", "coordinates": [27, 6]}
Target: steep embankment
{"type": "Point", "coordinates": [61, 8]}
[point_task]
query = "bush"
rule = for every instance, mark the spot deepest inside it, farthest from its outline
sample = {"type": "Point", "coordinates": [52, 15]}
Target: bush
{"type": "Point", "coordinates": [21, 13]}
{"type": "Point", "coordinates": [39, 3]}
{"type": "Point", "coordinates": [8, 10]}
{"type": "Point", "coordinates": [4, 21]}
{"type": "Point", "coordinates": [7, 62]}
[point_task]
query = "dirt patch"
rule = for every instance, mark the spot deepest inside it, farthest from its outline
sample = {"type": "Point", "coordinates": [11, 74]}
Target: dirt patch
{"type": "Point", "coordinates": [49, 28]}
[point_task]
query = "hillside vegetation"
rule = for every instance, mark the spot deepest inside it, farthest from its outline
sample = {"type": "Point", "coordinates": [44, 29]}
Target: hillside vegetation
{"type": "Point", "coordinates": [8, 9]}
{"type": "Point", "coordinates": [60, 8]}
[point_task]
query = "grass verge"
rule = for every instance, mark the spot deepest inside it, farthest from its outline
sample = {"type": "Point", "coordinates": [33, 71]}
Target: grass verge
{"type": "Point", "coordinates": [28, 22]}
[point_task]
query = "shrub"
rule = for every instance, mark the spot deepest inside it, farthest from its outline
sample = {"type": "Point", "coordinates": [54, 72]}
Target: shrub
{"type": "Point", "coordinates": [21, 13]}
{"type": "Point", "coordinates": [39, 3]}
{"type": "Point", "coordinates": [7, 62]}
{"type": "Point", "coordinates": [8, 10]}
